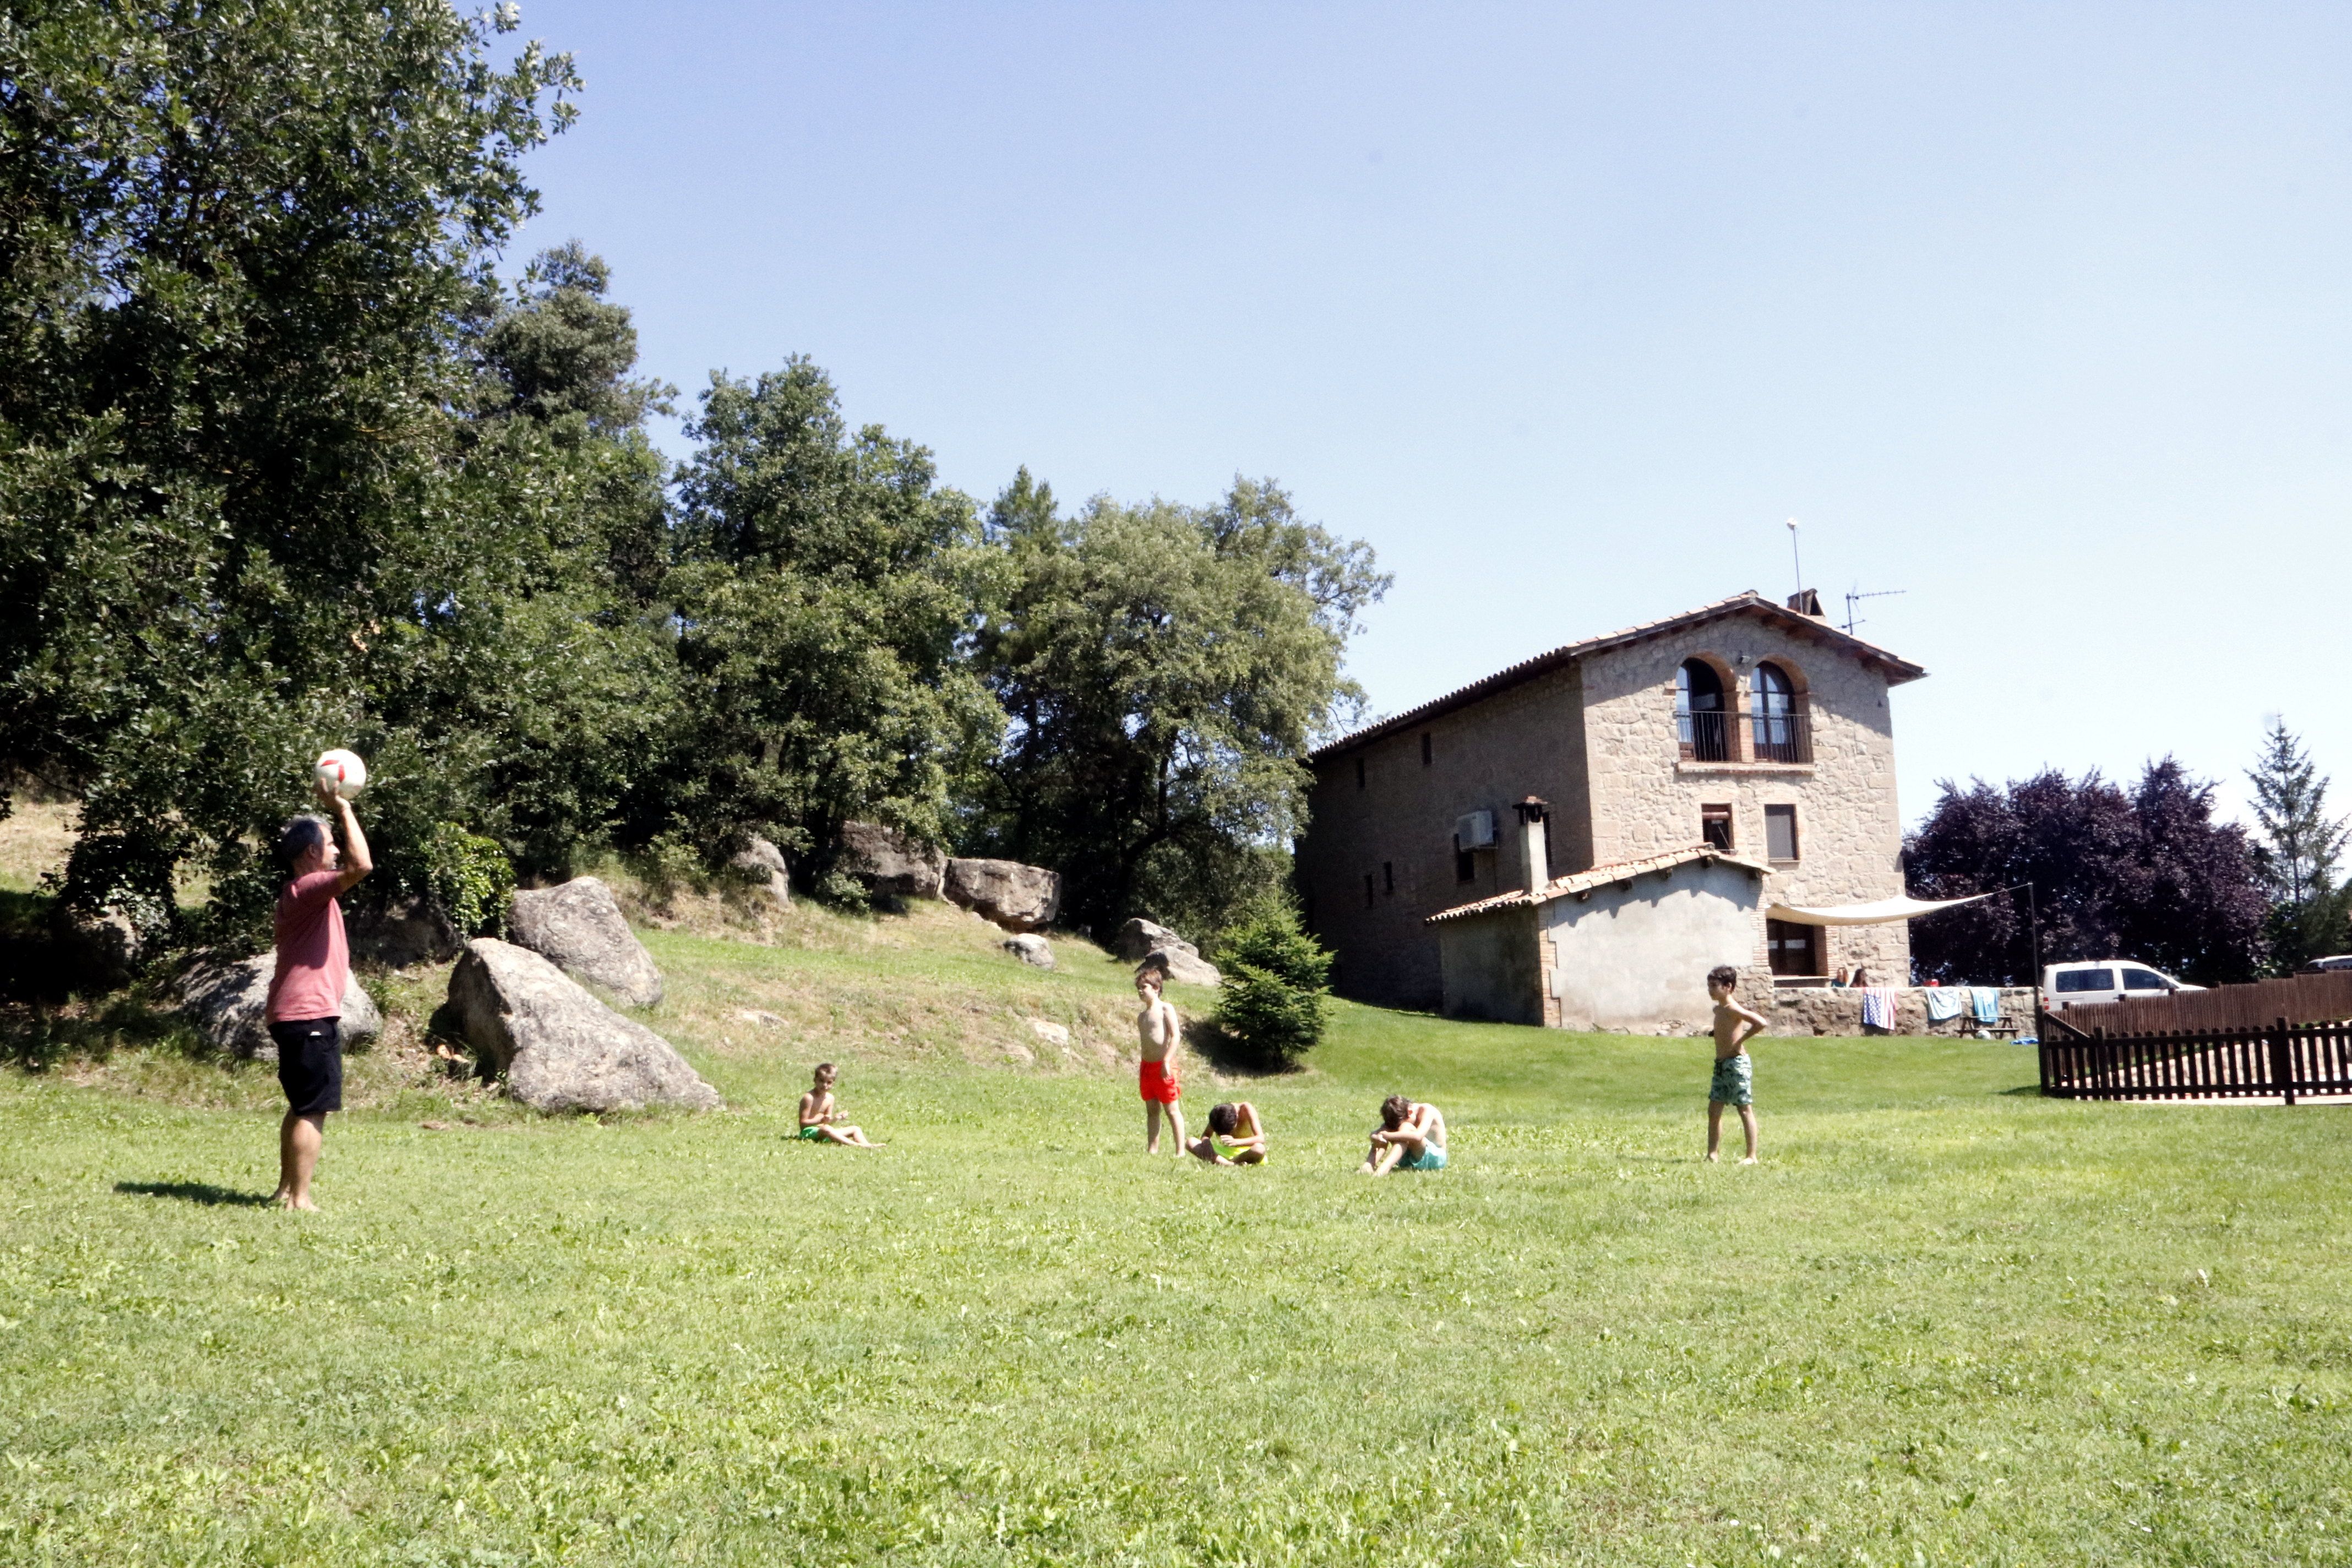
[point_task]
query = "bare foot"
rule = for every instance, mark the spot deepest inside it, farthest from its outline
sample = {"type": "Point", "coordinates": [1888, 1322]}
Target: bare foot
{"type": "Point", "coordinates": [1748, 1160]}
{"type": "Point", "coordinates": [1712, 1156]}
{"type": "Point", "coordinates": [289, 1202]}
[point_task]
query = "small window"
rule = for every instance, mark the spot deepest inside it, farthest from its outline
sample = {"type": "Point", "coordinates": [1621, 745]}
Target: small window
{"type": "Point", "coordinates": [2086, 980]}
{"type": "Point", "coordinates": [1715, 826]}
{"type": "Point", "coordinates": [1388, 876]}
{"type": "Point", "coordinates": [1424, 748]}
{"type": "Point", "coordinates": [1367, 889]}
{"type": "Point", "coordinates": [1359, 773]}
{"type": "Point", "coordinates": [2145, 980]}
{"type": "Point", "coordinates": [1466, 862]}
{"type": "Point", "coordinates": [1781, 832]}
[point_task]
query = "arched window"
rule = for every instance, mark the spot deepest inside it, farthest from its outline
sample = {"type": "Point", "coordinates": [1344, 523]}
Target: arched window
{"type": "Point", "coordinates": [1776, 717]}
{"type": "Point", "coordinates": [1700, 719]}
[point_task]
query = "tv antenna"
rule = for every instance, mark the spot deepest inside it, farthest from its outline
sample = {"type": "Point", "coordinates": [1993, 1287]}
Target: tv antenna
{"type": "Point", "coordinates": [1796, 559]}
{"type": "Point", "coordinates": [1855, 595]}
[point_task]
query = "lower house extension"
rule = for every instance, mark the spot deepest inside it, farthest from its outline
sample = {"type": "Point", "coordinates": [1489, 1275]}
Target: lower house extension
{"type": "Point", "coordinates": [1575, 840]}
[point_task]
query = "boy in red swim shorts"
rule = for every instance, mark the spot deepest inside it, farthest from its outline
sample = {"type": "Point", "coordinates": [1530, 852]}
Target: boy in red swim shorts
{"type": "Point", "coordinates": [1158, 1028]}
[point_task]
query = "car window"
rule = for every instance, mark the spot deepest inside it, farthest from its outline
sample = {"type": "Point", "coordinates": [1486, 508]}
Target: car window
{"type": "Point", "coordinates": [2144, 980]}
{"type": "Point", "coordinates": [2086, 980]}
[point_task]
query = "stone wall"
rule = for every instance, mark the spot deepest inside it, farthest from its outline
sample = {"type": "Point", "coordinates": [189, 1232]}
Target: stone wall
{"type": "Point", "coordinates": [1493, 967]}
{"type": "Point", "coordinates": [1397, 828]}
{"type": "Point", "coordinates": [1822, 1010]}
{"type": "Point", "coordinates": [1646, 801]}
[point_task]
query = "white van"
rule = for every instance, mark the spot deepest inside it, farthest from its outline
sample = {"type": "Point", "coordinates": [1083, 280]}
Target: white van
{"type": "Point", "coordinates": [2327, 965]}
{"type": "Point", "coordinates": [2065, 985]}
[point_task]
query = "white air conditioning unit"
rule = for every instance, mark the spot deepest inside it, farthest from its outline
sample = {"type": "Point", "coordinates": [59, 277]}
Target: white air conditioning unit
{"type": "Point", "coordinates": [1475, 831]}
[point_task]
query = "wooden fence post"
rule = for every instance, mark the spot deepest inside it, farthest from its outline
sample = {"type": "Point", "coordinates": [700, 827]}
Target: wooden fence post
{"type": "Point", "coordinates": [2283, 1060]}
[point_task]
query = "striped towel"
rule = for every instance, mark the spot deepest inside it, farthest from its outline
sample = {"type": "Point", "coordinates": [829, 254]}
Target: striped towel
{"type": "Point", "coordinates": [1878, 1007]}
{"type": "Point", "coordinates": [1942, 1003]}
{"type": "Point", "coordinates": [1984, 1000]}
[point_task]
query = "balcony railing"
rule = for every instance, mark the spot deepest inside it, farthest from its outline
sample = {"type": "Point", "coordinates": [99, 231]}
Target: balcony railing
{"type": "Point", "coordinates": [1786, 736]}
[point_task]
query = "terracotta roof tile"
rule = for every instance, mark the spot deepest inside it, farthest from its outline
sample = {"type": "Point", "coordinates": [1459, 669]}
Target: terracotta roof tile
{"type": "Point", "coordinates": [1597, 878]}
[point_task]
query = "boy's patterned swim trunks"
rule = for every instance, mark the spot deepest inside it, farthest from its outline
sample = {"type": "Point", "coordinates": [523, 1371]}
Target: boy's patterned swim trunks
{"type": "Point", "coordinates": [1735, 1080]}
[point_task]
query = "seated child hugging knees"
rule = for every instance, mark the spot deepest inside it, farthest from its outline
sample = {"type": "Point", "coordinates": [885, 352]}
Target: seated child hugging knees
{"type": "Point", "coordinates": [1236, 1136]}
{"type": "Point", "coordinates": [821, 1117]}
{"type": "Point", "coordinates": [1410, 1137]}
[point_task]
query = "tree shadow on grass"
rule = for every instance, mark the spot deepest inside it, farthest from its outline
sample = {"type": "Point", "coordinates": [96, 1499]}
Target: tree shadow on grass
{"type": "Point", "coordinates": [204, 1193]}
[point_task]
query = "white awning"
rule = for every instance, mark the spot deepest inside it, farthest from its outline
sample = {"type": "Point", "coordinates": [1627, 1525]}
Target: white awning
{"type": "Point", "coordinates": [1885, 910]}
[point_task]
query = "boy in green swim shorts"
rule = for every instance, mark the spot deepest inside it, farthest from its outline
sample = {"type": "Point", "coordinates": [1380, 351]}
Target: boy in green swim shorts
{"type": "Point", "coordinates": [1734, 1077]}
{"type": "Point", "coordinates": [821, 1117]}
{"type": "Point", "coordinates": [1410, 1137]}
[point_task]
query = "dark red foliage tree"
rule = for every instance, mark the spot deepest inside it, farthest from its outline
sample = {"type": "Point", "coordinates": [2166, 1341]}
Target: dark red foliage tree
{"type": "Point", "coordinates": [2146, 875]}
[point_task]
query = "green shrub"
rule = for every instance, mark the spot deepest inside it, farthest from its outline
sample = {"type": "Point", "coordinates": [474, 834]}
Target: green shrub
{"type": "Point", "coordinates": [1275, 998]}
{"type": "Point", "coordinates": [470, 878]}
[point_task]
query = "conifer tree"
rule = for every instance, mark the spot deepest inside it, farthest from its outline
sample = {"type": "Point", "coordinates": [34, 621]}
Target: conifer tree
{"type": "Point", "coordinates": [2297, 859]}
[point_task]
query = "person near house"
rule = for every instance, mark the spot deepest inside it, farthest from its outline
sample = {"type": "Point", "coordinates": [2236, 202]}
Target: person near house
{"type": "Point", "coordinates": [1839, 981]}
{"type": "Point", "coordinates": [1158, 1030]}
{"type": "Point", "coordinates": [1410, 1137]}
{"type": "Point", "coordinates": [1236, 1136]}
{"type": "Point", "coordinates": [305, 1011]}
{"type": "Point", "coordinates": [821, 1120]}
{"type": "Point", "coordinates": [1735, 1080]}
{"type": "Point", "coordinates": [1860, 981]}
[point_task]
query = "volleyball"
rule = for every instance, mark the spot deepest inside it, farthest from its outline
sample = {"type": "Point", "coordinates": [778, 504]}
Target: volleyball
{"type": "Point", "coordinates": [342, 772]}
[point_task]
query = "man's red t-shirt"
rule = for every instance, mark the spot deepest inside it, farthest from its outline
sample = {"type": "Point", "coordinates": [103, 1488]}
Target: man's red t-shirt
{"type": "Point", "coordinates": [314, 963]}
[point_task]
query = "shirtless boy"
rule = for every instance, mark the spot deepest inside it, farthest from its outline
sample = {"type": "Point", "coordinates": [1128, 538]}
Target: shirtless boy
{"type": "Point", "coordinates": [1734, 1077]}
{"type": "Point", "coordinates": [1158, 1030]}
{"type": "Point", "coordinates": [1236, 1136]}
{"type": "Point", "coordinates": [821, 1120]}
{"type": "Point", "coordinates": [1410, 1137]}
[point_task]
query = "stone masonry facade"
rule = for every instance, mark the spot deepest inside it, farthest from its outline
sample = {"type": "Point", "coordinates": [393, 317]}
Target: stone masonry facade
{"type": "Point", "coordinates": [1591, 729]}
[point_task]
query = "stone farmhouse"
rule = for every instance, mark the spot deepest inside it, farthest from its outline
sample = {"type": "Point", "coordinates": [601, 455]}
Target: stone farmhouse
{"type": "Point", "coordinates": [1575, 840]}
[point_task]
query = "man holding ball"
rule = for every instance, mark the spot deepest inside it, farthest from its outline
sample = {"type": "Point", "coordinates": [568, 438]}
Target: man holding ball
{"type": "Point", "coordinates": [314, 965]}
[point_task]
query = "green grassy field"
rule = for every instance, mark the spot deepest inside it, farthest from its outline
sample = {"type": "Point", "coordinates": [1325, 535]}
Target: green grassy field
{"type": "Point", "coordinates": [1946, 1321]}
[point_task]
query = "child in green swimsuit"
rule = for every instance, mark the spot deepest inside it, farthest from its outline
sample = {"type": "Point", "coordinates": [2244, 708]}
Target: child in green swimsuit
{"type": "Point", "coordinates": [1236, 1136]}
{"type": "Point", "coordinates": [821, 1118]}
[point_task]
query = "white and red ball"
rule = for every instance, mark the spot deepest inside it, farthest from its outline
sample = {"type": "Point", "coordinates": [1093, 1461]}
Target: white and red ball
{"type": "Point", "coordinates": [342, 772]}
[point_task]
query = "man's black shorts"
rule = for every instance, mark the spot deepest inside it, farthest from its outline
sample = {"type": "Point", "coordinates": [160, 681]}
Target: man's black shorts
{"type": "Point", "coordinates": [310, 1063]}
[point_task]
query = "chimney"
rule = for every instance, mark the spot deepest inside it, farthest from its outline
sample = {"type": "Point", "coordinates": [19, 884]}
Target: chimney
{"type": "Point", "coordinates": [1532, 858]}
{"type": "Point", "coordinates": [1807, 602]}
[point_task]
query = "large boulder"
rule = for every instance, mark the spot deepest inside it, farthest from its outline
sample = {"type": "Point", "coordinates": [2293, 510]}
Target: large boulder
{"type": "Point", "coordinates": [763, 864]}
{"type": "Point", "coordinates": [891, 864]}
{"type": "Point", "coordinates": [579, 927]}
{"type": "Point", "coordinates": [1140, 939]}
{"type": "Point", "coordinates": [561, 1049]}
{"type": "Point", "coordinates": [404, 932]}
{"type": "Point", "coordinates": [1017, 896]}
{"type": "Point", "coordinates": [227, 1001]}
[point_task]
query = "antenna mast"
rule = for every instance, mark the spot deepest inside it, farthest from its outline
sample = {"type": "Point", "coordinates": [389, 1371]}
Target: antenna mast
{"type": "Point", "coordinates": [1796, 559]}
{"type": "Point", "coordinates": [1855, 595]}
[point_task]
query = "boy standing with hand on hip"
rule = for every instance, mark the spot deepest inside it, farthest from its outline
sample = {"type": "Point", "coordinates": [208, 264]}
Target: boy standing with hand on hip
{"type": "Point", "coordinates": [1734, 1077]}
{"type": "Point", "coordinates": [305, 993]}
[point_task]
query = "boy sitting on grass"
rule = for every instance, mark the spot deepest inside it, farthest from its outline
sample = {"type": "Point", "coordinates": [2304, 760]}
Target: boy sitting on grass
{"type": "Point", "coordinates": [1410, 1137]}
{"type": "Point", "coordinates": [1235, 1136]}
{"type": "Point", "coordinates": [1735, 1077]}
{"type": "Point", "coordinates": [820, 1118]}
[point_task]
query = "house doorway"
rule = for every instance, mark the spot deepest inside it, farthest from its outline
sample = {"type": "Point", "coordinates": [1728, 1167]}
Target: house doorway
{"type": "Point", "coordinates": [1794, 950]}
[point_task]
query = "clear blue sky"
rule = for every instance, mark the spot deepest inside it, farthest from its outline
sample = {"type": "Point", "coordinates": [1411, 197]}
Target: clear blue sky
{"type": "Point", "coordinates": [2039, 313]}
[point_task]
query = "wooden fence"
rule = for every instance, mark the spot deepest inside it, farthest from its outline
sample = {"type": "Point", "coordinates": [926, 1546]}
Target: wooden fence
{"type": "Point", "coordinates": [2286, 1061]}
{"type": "Point", "coordinates": [2299, 999]}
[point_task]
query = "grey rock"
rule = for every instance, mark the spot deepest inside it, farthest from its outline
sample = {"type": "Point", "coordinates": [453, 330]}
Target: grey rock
{"type": "Point", "coordinates": [559, 1047]}
{"type": "Point", "coordinates": [891, 864]}
{"type": "Point", "coordinates": [105, 945]}
{"type": "Point", "coordinates": [1030, 949]}
{"type": "Point", "coordinates": [404, 931]}
{"type": "Point", "coordinates": [227, 1001]}
{"type": "Point", "coordinates": [579, 927]}
{"type": "Point", "coordinates": [1139, 940]}
{"type": "Point", "coordinates": [1014, 895]}
{"type": "Point", "coordinates": [1053, 1034]}
{"type": "Point", "coordinates": [764, 863]}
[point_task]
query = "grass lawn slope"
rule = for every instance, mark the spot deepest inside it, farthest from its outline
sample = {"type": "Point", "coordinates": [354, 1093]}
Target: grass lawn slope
{"type": "Point", "coordinates": [1946, 1321]}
